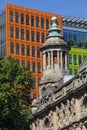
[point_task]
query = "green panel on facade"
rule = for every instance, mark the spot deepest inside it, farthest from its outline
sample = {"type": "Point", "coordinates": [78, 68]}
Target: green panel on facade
{"type": "Point", "coordinates": [75, 57]}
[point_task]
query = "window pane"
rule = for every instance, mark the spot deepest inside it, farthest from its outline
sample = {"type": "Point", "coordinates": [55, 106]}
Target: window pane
{"type": "Point", "coordinates": [27, 35]}
{"type": "Point", "coordinates": [75, 71]}
{"type": "Point", "coordinates": [69, 35]}
{"type": "Point", "coordinates": [38, 52]}
{"type": "Point", "coordinates": [70, 58]}
{"type": "Point", "coordinates": [43, 38]}
{"type": "Point", "coordinates": [39, 79]}
{"type": "Point", "coordinates": [70, 71]}
{"type": "Point", "coordinates": [33, 36]}
{"type": "Point", "coordinates": [22, 34]}
{"type": "Point", "coordinates": [11, 47]}
{"type": "Point", "coordinates": [42, 22]}
{"type": "Point", "coordinates": [23, 62]}
{"type": "Point", "coordinates": [38, 65]}
{"type": "Point", "coordinates": [33, 51]}
{"type": "Point", "coordinates": [74, 38]}
{"type": "Point", "coordinates": [33, 67]}
{"type": "Point", "coordinates": [38, 37]}
{"type": "Point", "coordinates": [17, 48]}
{"type": "Point", "coordinates": [37, 21]}
{"type": "Point", "coordinates": [32, 20]}
{"type": "Point", "coordinates": [47, 23]}
{"type": "Point", "coordinates": [23, 49]}
{"type": "Point", "coordinates": [80, 59]}
{"type": "Point", "coordinates": [11, 16]}
{"type": "Point", "coordinates": [17, 32]}
{"type": "Point", "coordinates": [75, 59]}
{"type": "Point", "coordinates": [11, 32]}
{"type": "Point", "coordinates": [17, 17]}
{"type": "Point", "coordinates": [27, 19]}
{"type": "Point", "coordinates": [34, 81]}
{"type": "Point", "coordinates": [28, 65]}
{"type": "Point", "coordinates": [22, 18]}
{"type": "Point", "coordinates": [65, 35]}
{"type": "Point", "coordinates": [28, 50]}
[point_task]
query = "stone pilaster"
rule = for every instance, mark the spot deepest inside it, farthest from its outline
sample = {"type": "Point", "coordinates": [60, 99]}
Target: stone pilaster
{"type": "Point", "coordinates": [66, 60]}
{"type": "Point", "coordinates": [61, 59]}
{"type": "Point", "coordinates": [78, 109]}
{"type": "Point", "coordinates": [44, 61]}
{"type": "Point", "coordinates": [55, 126]}
{"type": "Point", "coordinates": [58, 58]}
{"type": "Point", "coordinates": [51, 59]}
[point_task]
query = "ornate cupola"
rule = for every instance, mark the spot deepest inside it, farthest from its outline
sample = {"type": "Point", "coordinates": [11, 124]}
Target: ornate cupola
{"type": "Point", "coordinates": [54, 52]}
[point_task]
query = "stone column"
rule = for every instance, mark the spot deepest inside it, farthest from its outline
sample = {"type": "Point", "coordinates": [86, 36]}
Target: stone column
{"type": "Point", "coordinates": [55, 123]}
{"type": "Point", "coordinates": [33, 126]}
{"type": "Point", "coordinates": [51, 59]}
{"type": "Point", "coordinates": [58, 58]}
{"type": "Point", "coordinates": [41, 124]}
{"type": "Point", "coordinates": [48, 60]}
{"type": "Point", "coordinates": [61, 59]}
{"type": "Point", "coordinates": [66, 60]}
{"type": "Point", "coordinates": [83, 127]}
{"type": "Point", "coordinates": [44, 61]}
{"type": "Point", "coordinates": [78, 109]}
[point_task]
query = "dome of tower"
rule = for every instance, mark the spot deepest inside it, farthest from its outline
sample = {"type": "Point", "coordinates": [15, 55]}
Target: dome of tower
{"type": "Point", "coordinates": [54, 37]}
{"type": "Point", "coordinates": [54, 52]}
{"type": "Point", "coordinates": [54, 18]}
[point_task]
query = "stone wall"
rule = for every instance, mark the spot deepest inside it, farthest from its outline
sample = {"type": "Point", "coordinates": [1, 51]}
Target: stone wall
{"type": "Point", "coordinates": [65, 107]}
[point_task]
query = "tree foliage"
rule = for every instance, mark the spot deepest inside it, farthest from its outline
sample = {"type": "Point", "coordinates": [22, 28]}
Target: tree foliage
{"type": "Point", "coordinates": [15, 85]}
{"type": "Point", "coordinates": [71, 42]}
{"type": "Point", "coordinates": [85, 44]}
{"type": "Point", "coordinates": [79, 43]}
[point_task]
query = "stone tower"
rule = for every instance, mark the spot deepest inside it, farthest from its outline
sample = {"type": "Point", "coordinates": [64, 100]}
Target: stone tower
{"type": "Point", "coordinates": [55, 57]}
{"type": "Point", "coordinates": [62, 105]}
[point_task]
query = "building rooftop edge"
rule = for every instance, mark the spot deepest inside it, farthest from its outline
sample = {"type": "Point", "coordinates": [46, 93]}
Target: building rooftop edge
{"type": "Point", "coordinates": [41, 11]}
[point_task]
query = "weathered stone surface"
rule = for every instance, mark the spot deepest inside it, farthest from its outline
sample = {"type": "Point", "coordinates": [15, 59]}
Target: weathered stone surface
{"type": "Point", "coordinates": [62, 105]}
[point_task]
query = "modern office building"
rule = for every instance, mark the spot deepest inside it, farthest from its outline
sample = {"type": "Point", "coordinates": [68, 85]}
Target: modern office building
{"type": "Point", "coordinates": [76, 29]}
{"type": "Point", "coordinates": [75, 57]}
{"type": "Point", "coordinates": [22, 32]}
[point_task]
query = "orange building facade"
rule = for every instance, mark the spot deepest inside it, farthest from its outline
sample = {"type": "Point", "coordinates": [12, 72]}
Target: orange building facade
{"type": "Point", "coordinates": [25, 31]}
